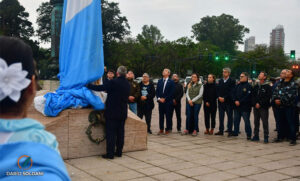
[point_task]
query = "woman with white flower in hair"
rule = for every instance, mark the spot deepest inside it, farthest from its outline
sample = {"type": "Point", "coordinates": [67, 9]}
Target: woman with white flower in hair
{"type": "Point", "coordinates": [23, 140]}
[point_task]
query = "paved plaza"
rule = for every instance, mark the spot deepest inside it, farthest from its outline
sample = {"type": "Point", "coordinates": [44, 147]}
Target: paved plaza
{"type": "Point", "coordinates": [205, 158]}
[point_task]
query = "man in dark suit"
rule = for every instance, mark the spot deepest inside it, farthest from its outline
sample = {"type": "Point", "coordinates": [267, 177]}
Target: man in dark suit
{"type": "Point", "coordinates": [178, 94]}
{"type": "Point", "coordinates": [116, 111]}
{"type": "Point", "coordinates": [164, 93]}
{"type": "Point", "coordinates": [225, 90]}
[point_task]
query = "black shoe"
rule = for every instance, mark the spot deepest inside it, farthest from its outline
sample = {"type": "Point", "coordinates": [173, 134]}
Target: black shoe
{"type": "Point", "coordinates": [219, 133]}
{"type": "Point", "coordinates": [149, 131]}
{"type": "Point", "coordinates": [266, 140]}
{"type": "Point", "coordinates": [255, 138]}
{"type": "Point", "coordinates": [226, 131]}
{"type": "Point", "coordinates": [107, 157]}
{"type": "Point", "coordinates": [232, 134]}
{"type": "Point", "coordinates": [118, 154]}
{"type": "Point", "coordinates": [248, 137]}
{"type": "Point", "coordinates": [293, 143]}
{"type": "Point", "coordinates": [277, 140]}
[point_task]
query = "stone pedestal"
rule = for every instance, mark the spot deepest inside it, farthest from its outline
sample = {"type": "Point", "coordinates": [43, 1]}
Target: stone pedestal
{"type": "Point", "coordinates": [70, 126]}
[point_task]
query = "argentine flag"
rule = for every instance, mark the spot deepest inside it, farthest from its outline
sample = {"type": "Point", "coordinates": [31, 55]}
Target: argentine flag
{"type": "Point", "coordinates": [81, 58]}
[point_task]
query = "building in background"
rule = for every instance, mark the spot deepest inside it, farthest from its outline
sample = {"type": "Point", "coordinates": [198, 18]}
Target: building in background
{"type": "Point", "coordinates": [277, 37]}
{"type": "Point", "coordinates": [250, 44]}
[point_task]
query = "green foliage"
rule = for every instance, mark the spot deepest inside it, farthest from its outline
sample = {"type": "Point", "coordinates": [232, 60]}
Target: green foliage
{"type": "Point", "coordinates": [14, 20]}
{"type": "Point", "coordinates": [150, 36]}
{"type": "Point", "coordinates": [223, 31]}
{"type": "Point", "coordinates": [115, 27]}
{"type": "Point", "coordinates": [44, 21]}
{"type": "Point", "coordinates": [270, 60]}
{"type": "Point", "coordinates": [43, 62]}
{"type": "Point", "coordinates": [149, 52]}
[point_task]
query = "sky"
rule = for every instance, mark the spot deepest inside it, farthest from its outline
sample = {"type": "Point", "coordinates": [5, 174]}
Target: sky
{"type": "Point", "coordinates": [175, 17]}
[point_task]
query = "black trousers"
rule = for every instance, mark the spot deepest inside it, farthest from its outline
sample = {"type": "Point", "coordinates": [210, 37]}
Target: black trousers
{"type": "Point", "coordinates": [148, 115]}
{"type": "Point", "coordinates": [177, 110]}
{"type": "Point", "coordinates": [287, 123]}
{"type": "Point", "coordinates": [210, 116]}
{"type": "Point", "coordinates": [115, 130]}
{"type": "Point", "coordinates": [276, 116]}
{"type": "Point", "coordinates": [165, 110]}
{"type": "Point", "coordinates": [191, 127]}
{"type": "Point", "coordinates": [297, 120]}
{"type": "Point", "coordinates": [225, 107]}
{"type": "Point", "coordinates": [283, 129]}
{"type": "Point", "coordinates": [263, 114]}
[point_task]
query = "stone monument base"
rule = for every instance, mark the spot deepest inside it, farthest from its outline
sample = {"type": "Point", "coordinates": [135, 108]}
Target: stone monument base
{"type": "Point", "coordinates": [70, 127]}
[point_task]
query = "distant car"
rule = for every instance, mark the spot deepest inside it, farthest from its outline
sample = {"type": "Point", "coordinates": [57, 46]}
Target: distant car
{"type": "Point", "coordinates": [187, 80]}
{"type": "Point", "coordinates": [139, 79]}
{"type": "Point", "coordinates": [155, 81]}
{"type": "Point", "coordinates": [201, 79]}
{"type": "Point", "coordinates": [181, 81]}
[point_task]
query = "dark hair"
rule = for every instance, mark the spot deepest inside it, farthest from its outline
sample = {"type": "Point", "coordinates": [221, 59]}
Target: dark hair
{"type": "Point", "coordinates": [265, 74]}
{"type": "Point", "coordinates": [214, 77]}
{"type": "Point", "coordinates": [245, 73]}
{"type": "Point", "coordinates": [196, 75]}
{"type": "Point", "coordinates": [112, 71]}
{"type": "Point", "coordinates": [293, 73]}
{"type": "Point", "coordinates": [14, 50]}
{"type": "Point", "coordinates": [273, 80]}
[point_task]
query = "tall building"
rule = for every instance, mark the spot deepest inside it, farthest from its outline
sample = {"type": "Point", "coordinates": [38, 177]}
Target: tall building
{"type": "Point", "coordinates": [277, 37]}
{"type": "Point", "coordinates": [249, 44]}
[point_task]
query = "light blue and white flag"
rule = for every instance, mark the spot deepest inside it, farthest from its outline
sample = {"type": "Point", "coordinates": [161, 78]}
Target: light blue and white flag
{"type": "Point", "coordinates": [81, 58]}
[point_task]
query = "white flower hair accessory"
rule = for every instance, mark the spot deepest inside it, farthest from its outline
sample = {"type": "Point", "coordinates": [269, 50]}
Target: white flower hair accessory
{"type": "Point", "coordinates": [12, 80]}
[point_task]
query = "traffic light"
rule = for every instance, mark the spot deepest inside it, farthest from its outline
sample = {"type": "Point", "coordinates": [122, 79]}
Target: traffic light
{"type": "Point", "coordinates": [226, 58]}
{"type": "Point", "coordinates": [217, 57]}
{"type": "Point", "coordinates": [253, 72]}
{"type": "Point", "coordinates": [293, 54]}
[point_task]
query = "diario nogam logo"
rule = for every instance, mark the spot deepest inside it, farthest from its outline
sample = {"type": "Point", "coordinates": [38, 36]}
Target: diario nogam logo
{"type": "Point", "coordinates": [25, 162]}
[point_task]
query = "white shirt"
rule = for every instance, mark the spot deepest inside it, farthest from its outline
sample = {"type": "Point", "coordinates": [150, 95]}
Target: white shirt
{"type": "Point", "coordinates": [166, 80]}
{"type": "Point", "coordinates": [225, 80]}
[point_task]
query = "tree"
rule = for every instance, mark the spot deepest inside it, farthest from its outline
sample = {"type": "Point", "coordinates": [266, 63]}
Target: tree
{"type": "Point", "coordinates": [44, 21]}
{"type": "Point", "coordinates": [262, 58]}
{"type": "Point", "coordinates": [115, 26]}
{"type": "Point", "coordinates": [14, 20]}
{"type": "Point", "coordinates": [150, 35]}
{"type": "Point", "coordinates": [223, 31]}
{"type": "Point", "coordinates": [44, 60]}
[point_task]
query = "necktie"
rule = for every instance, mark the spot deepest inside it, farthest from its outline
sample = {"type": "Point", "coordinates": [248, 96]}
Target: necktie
{"type": "Point", "coordinates": [164, 85]}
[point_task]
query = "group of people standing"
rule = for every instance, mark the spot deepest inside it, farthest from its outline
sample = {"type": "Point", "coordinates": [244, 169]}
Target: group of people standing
{"type": "Point", "coordinates": [234, 98]}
